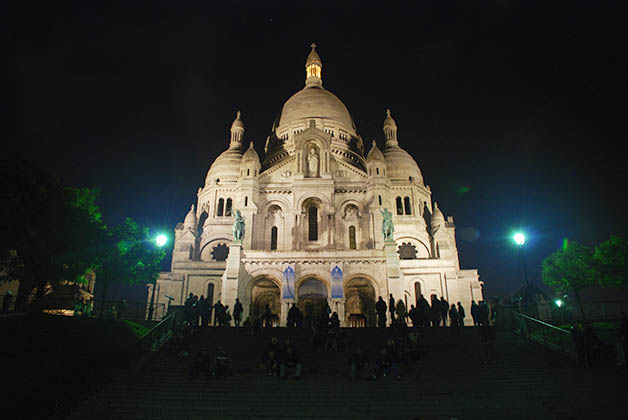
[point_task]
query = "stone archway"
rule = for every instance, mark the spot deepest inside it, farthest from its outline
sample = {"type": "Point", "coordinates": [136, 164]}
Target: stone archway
{"type": "Point", "coordinates": [265, 292]}
{"type": "Point", "coordinates": [360, 302]}
{"type": "Point", "coordinates": [312, 295]}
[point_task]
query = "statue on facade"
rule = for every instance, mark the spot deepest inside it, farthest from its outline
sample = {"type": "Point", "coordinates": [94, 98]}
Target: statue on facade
{"type": "Point", "coordinates": [312, 163]}
{"type": "Point", "coordinates": [387, 225]}
{"type": "Point", "coordinates": [238, 227]}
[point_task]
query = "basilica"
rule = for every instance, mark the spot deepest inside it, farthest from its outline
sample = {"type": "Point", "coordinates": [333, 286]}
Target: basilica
{"type": "Point", "coordinates": [316, 220]}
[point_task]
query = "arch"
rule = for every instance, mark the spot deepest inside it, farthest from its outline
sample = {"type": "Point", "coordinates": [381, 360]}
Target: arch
{"type": "Point", "coordinates": [265, 290]}
{"type": "Point", "coordinates": [228, 207]}
{"type": "Point", "coordinates": [205, 253]}
{"type": "Point", "coordinates": [221, 207]}
{"type": "Point", "coordinates": [407, 205]}
{"type": "Point", "coordinates": [273, 238]}
{"type": "Point", "coordinates": [399, 204]}
{"type": "Point", "coordinates": [360, 297]}
{"type": "Point", "coordinates": [312, 294]}
{"type": "Point", "coordinates": [313, 196]}
{"type": "Point", "coordinates": [422, 249]}
{"type": "Point", "coordinates": [352, 239]}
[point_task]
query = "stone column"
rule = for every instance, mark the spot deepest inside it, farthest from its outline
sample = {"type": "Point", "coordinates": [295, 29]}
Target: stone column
{"type": "Point", "coordinates": [393, 270]}
{"type": "Point", "coordinates": [231, 275]}
{"type": "Point", "coordinates": [338, 306]}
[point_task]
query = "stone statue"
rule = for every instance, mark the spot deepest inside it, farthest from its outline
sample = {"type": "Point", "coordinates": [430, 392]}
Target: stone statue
{"type": "Point", "coordinates": [312, 163]}
{"type": "Point", "coordinates": [238, 227]}
{"type": "Point", "coordinates": [387, 225]}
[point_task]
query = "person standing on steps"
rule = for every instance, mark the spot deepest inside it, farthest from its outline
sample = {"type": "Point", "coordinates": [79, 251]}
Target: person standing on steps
{"type": "Point", "coordinates": [237, 313]}
{"type": "Point", "coordinates": [474, 313]}
{"type": "Point", "coordinates": [453, 318]}
{"type": "Point", "coordinates": [380, 308]}
{"type": "Point", "coordinates": [444, 307]}
{"type": "Point", "coordinates": [461, 314]}
{"type": "Point", "coordinates": [391, 308]}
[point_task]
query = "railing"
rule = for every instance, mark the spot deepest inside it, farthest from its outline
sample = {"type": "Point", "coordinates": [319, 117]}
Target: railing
{"type": "Point", "coordinates": [156, 337]}
{"type": "Point", "coordinates": [548, 335]}
{"type": "Point", "coordinates": [133, 310]}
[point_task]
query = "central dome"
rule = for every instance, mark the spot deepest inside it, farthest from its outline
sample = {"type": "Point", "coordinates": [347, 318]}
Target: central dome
{"type": "Point", "coordinates": [315, 102]}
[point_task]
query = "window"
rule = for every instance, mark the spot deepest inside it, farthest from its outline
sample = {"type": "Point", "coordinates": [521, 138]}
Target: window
{"type": "Point", "coordinates": [312, 219]}
{"type": "Point", "coordinates": [352, 241]}
{"type": "Point", "coordinates": [248, 172]}
{"type": "Point", "coordinates": [417, 292]}
{"type": "Point", "coordinates": [228, 207]}
{"type": "Point", "coordinates": [377, 171]}
{"type": "Point", "coordinates": [406, 204]}
{"type": "Point", "coordinates": [273, 238]}
{"type": "Point", "coordinates": [246, 201]}
{"type": "Point", "coordinates": [379, 198]}
{"type": "Point", "coordinates": [399, 206]}
{"type": "Point", "coordinates": [221, 205]}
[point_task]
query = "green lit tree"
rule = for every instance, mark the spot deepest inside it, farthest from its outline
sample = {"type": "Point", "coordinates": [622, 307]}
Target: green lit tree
{"type": "Point", "coordinates": [610, 257]}
{"type": "Point", "coordinates": [128, 255]}
{"type": "Point", "coordinates": [570, 269]}
{"type": "Point", "coordinates": [49, 232]}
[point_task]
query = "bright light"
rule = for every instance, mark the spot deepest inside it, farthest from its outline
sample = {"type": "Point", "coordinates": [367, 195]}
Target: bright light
{"type": "Point", "coordinates": [161, 240]}
{"type": "Point", "coordinates": [519, 238]}
{"type": "Point", "coordinates": [559, 302]}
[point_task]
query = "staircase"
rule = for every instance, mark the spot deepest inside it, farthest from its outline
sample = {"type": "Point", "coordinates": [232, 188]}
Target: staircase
{"type": "Point", "coordinates": [526, 382]}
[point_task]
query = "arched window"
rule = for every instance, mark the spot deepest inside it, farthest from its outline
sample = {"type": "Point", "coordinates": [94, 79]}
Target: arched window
{"type": "Point", "coordinates": [228, 207]}
{"type": "Point", "coordinates": [246, 201]}
{"type": "Point", "coordinates": [406, 204]}
{"type": "Point", "coordinates": [377, 170]}
{"type": "Point", "coordinates": [352, 241]}
{"type": "Point", "coordinates": [221, 206]}
{"type": "Point", "coordinates": [312, 219]}
{"type": "Point", "coordinates": [399, 206]}
{"type": "Point", "coordinates": [379, 197]}
{"type": "Point", "coordinates": [273, 238]}
{"type": "Point", "coordinates": [417, 293]}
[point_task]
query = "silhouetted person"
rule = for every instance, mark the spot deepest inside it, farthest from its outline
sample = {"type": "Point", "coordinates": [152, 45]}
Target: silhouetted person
{"type": "Point", "coordinates": [444, 308]}
{"type": "Point", "coordinates": [391, 308]}
{"type": "Point", "coordinates": [435, 312]}
{"type": "Point", "coordinates": [461, 314]}
{"type": "Point", "coordinates": [483, 313]}
{"type": "Point", "coordinates": [289, 361]}
{"type": "Point", "coordinates": [358, 364]}
{"type": "Point", "coordinates": [270, 356]}
{"type": "Point", "coordinates": [384, 364]}
{"type": "Point", "coordinates": [237, 312]}
{"type": "Point", "coordinates": [474, 312]}
{"type": "Point", "coordinates": [205, 311]}
{"type": "Point", "coordinates": [247, 326]}
{"type": "Point", "coordinates": [201, 364]}
{"type": "Point", "coordinates": [423, 307]}
{"type": "Point", "coordinates": [198, 309]}
{"type": "Point", "coordinates": [487, 337]}
{"type": "Point", "coordinates": [218, 313]}
{"type": "Point", "coordinates": [453, 317]}
{"type": "Point", "coordinates": [6, 301]}
{"type": "Point", "coordinates": [334, 321]}
{"type": "Point", "coordinates": [413, 314]}
{"type": "Point", "coordinates": [268, 316]}
{"type": "Point", "coordinates": [222, 363]}
{"type": "Point", "coordinates": [400, 309]}
{"type": "Point", "coordinates": [292, 316]}
{"type": "Point", "coordinates": [187, 307]}
{"type": "Point", "coordinates": [577, 335]}
{"type": "Point", "coordinates": [380, 308]}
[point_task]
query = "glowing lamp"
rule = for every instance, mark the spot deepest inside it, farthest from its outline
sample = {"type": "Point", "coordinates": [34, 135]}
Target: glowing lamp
{"type": "Point", "coordinates": [161, 240]}
{"type": "Point", "coordinates": [559, 302]}
{"type": "Point", "coordinates": [519, 238]}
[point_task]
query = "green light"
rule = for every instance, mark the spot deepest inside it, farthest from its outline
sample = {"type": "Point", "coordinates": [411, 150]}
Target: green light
{"type": "Point", "coordinates": [559, 302]}
{"type": "Point", "coordinates": [519, 238]}
{"type": "Point", "coordinates": [161, 240]}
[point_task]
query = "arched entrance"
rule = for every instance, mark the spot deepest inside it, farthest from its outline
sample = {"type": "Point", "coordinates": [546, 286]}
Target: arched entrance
{"type": "Point", "coordinates": [265, 292]}
{"type": "Point", "coordinates": [360, 303]}
{"type": "Point", "coordinates": [312, 295]}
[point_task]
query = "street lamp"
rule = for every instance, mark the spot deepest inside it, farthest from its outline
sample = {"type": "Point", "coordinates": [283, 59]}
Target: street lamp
{"type": "Point", "coordinates": [520, 239]}
{"type": "Point", "coordinates": [160, 241]}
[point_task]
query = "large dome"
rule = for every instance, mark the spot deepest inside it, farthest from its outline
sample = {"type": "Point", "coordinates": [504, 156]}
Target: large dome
{"type": "Point", "coordinates": [315, 102]}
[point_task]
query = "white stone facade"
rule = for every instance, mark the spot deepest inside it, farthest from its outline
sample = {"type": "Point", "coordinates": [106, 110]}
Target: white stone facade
{"type": "Point", "coordinates": [312, 207]}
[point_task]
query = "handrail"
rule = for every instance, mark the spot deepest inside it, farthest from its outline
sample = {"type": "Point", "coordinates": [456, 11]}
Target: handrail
{"type": "Point", "coordinates": [147, 333]}
{"type": "Point", "coordinates": [538, 321]}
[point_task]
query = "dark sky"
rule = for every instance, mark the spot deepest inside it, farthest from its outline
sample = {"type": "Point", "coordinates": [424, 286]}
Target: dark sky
{"type": "Point", "coordinates": [511, 109]}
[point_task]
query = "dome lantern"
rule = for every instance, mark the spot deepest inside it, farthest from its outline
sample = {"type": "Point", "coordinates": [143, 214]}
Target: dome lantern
{"type": "Point", "coordinates": [390, 130]}
{"type": "Point", "coordinates": [313, 69]}
{"type": "Point", "coordinates": [237, 132]}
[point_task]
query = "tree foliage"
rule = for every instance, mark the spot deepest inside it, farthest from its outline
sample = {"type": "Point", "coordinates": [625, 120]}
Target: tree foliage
{"type": "Point", "coordinates": [610, 257]}
{"type": "Point", "coordinates": [570, 268]}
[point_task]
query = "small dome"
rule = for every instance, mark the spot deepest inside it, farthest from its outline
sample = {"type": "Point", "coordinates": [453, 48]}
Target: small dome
{"type": "Point", "coordinates": [237, 123]}
{"type": "Point", "coordinates": [226, 166]}
{"type": "Point", "coordinates": [401, 165]}
{"type": "Point", "coordinates": [437, 216]}
{"type": "Point", "coordinates": [190, 219]}
{"type": "Point", "coordinates": [374, 153]}
{"type": "Point", "coordinates": [250, 154]}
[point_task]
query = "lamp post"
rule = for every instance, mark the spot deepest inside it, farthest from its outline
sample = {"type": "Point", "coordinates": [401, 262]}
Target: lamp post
{"type": "Point", "coordinates": [160, 241]}
{"type": "Point", "coordinates": [520, 239]}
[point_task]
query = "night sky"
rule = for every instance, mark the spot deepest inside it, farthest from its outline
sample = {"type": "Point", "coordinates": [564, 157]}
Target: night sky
{"type": "Point", "coordinates": [511, 109]}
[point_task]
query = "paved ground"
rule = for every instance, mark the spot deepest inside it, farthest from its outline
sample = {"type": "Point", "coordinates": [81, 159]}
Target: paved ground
{"type": "Point", "coordinates": [527, 382]}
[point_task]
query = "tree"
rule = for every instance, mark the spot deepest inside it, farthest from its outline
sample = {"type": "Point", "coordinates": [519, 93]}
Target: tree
{"type": "Point", "coordinates": [128, 255]}
{"type": "Point", "coordinates": [570, 269]}
{"type": "Point", "coordinates": [49, 232]}
{"type": "Point", "coordinates": [610, 258]}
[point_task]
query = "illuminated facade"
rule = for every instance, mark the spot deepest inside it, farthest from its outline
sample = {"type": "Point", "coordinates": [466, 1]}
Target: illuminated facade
{"type": "Point", "coordinates": [313, 212]}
